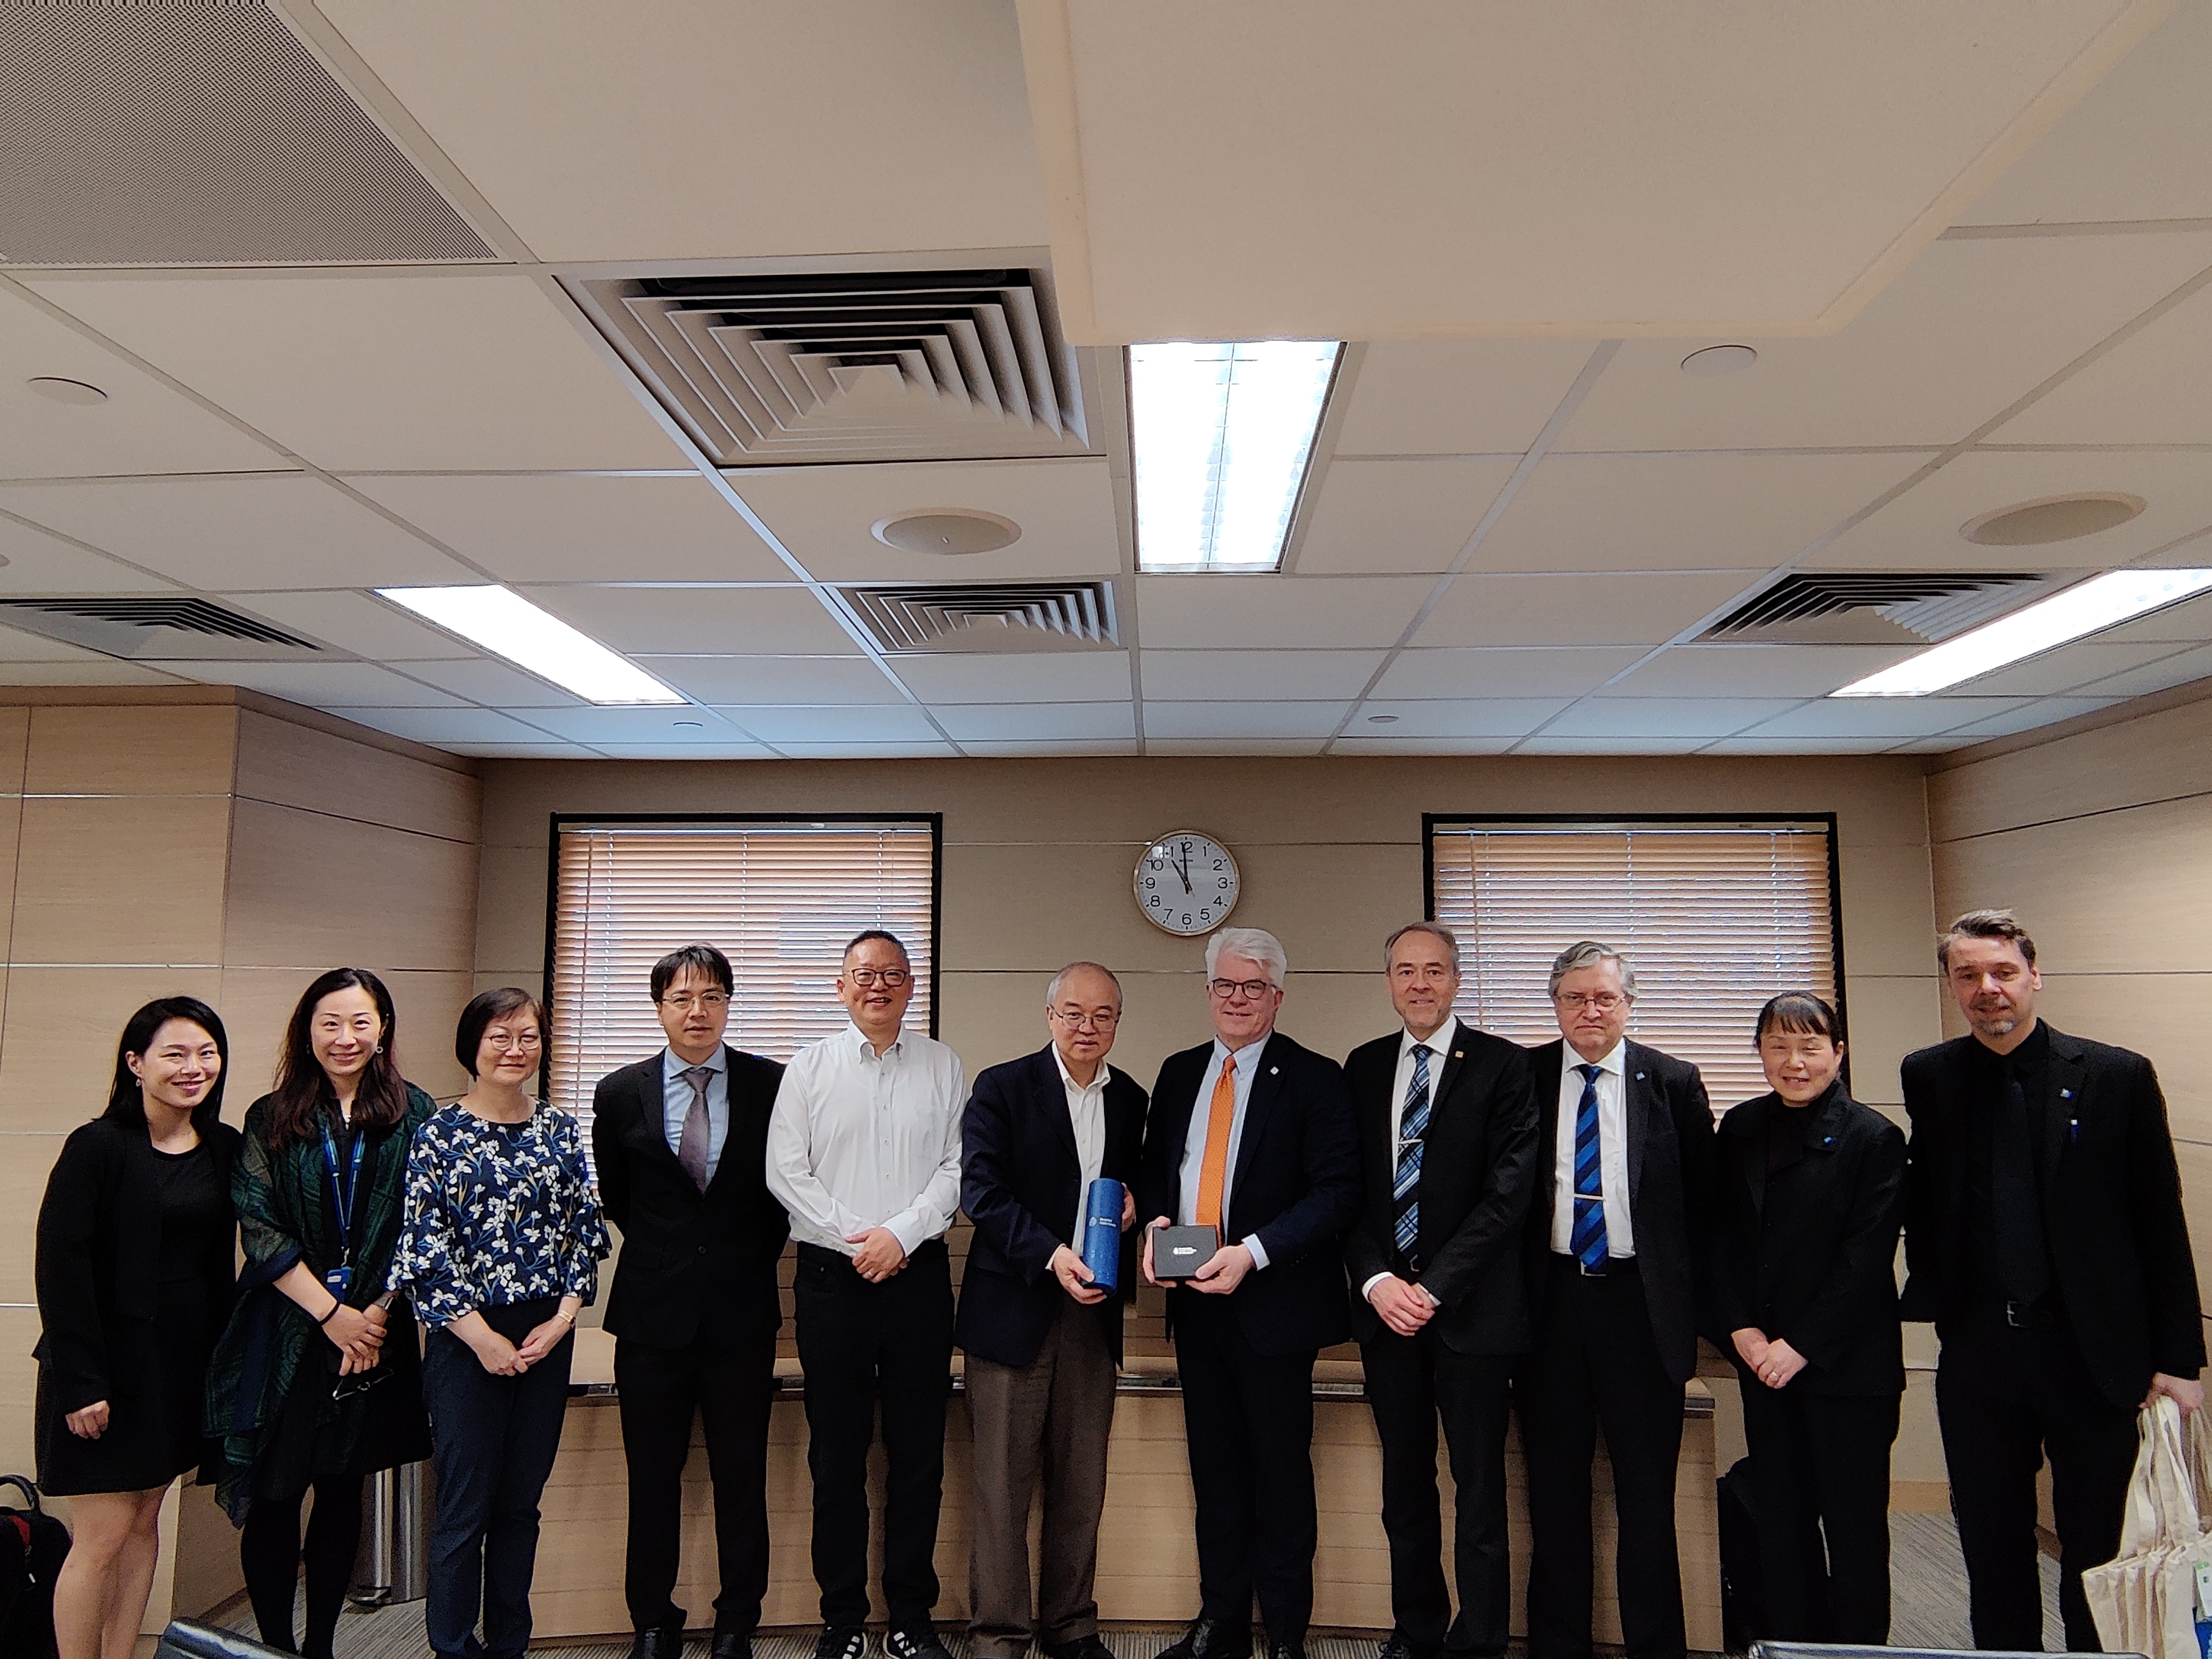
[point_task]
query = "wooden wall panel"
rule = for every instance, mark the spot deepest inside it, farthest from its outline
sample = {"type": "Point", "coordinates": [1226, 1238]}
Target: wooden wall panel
{"type": "Point", "coordinates": [289, 765]}
{"type": "Point", "coordinates": [130, 749]}
{"type": "Point", "coordinates": [19, 1334]}
{"type": "Point", "coordinates": [2164, 755]}
{"type": "Point", "coordinates": [121, 879]}
{"type": "Point", "coordinates": [25, 1160]}
{"type": "Point", "coordinates": [307, 887]}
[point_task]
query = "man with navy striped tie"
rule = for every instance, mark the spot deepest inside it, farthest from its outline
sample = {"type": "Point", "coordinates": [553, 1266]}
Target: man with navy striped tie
{"type": "Point", "coordinates": [1612, 1238]}
{"type": "Point", "coordinates": [1448, 1142]}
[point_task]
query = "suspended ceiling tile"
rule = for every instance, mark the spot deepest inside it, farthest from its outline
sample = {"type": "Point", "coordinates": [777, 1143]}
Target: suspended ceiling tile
{"type": "Point", "coordinates": [1387, 516]}
{"type": "Point", "coordinates": [824, 515]}
{"type": "Point", "coordinates": [356, 623]}
{"type": "Point", "coordinates": [319, 685]}
{"type": "Point", "coordinates": [1771, 671]}
{"type": "Point", "coordinates": [1920, 529]}
{"type": "Point", "coordinates": [1680, 512]}
{"type": "Point", "coordinates": [772, 679]}
{"type": "Point", "coordinates": [2180, 669]}
{"type": "Point", "coordinates": [584, 526]}
{"type": "Point", "coordinates": [2068, 668]}
{"type": "Point", "coordinates": [440, 727]}
{"type": "Point", "coordinates": [38, 562]}
{"type": "Point", "coordinates": [1800, 746]}
{"type": "Point", "coordinates": [2185, 623]}
{"type": "Point", "coordinates": [2133, 148]}
{"type": "Point", "coordinates": [240, 531]}
{"type": "Point", "coordinates": [2044, 711]}
{"type": "Point", "coordinates": [2154, 387]}
{"type": "Point", "coordinates": [1233, 745]}
{"type": "Point", "coordinates": [18, 644]}
{"type": "Point", "coordinates": [934, 750]}
{"type": "Point", "coordinates": [1200, 675]}
{"type": "Point", "coordinates": [1458, 717]}
{"type": "Point", "coordinates": [1545, 743]}
{"type": "Point", "coordinates": [1969, 327]}
{"type": "Point", "coordinates": [99, 670]}
{"type": "Point", "coordinates": [899, 722]}
{"type": "Point", "coordinates": [479, 372]}
{"type": "Point", "coordinates": [1043, 722]}
{"type": "Point", "coordinates": [995, 677]}
{"type": "Point", "coordinates": [495, 685]}
{"type": "Point", "coordinates": [701, 621]}
{"type": "Point", "coordinates": [1875, 717]}
{"type": "Point", "coordinates": [680, 727]}
{"type": "Point", "coordinates": [1572, 169]}
{"type": "Point", "coordinates": [144, 425]}
{"type": "Point", "coordinates": [522, 751]}
{"type": "Point", "coordinates": [1629, 609]}
{"type": "Point", "coordinates": [1665, 717]}
{"type": "Point", "coordinates": [1503, 672]}
{"type": "Point", "coordinates": [1226, 611]}
{"type": "Point", "coordinates": [1456, 397]}
{"type": "Point", "coordinates": [1243, 720]}
{"type": "Point", "coordinates": [703, 753]}
{"type": "Point", "coordinates": [688, 129]}
{"type": "Point", "coordinates": [1064, 746]}
{"type": "Point", "coordinates": [1354, 742]}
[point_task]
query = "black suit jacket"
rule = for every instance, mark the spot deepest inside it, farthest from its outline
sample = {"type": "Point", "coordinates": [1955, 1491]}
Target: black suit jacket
{"type": "Point", "coordinates": [1477, 1162]}
{"type": "Point", "coordinates": [1809, 1254]}
{"type": "Point", "coordinates": [2111, 1208]}
{"type": "Point", "coordinates": [1296, 1184]}
{"type": "Point", "coordinates": [692, 1263]}
{"type": "Point", "coordinates": [1670, 1187]}
{"type": "Point", "coordinates": [1020, 1183]}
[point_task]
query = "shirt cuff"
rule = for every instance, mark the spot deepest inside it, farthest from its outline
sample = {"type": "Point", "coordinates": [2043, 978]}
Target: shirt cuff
{"type": "Point", "coordinates": [1251, 1241]}
{"type": "Point", "coordinates": [1367, 1291]}
{"type": "Point", "coordinates": [909, 1229]}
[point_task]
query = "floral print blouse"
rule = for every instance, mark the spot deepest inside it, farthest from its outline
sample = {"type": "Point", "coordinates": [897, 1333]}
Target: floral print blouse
{"type": "Point", "coordinates": [497, 1213]}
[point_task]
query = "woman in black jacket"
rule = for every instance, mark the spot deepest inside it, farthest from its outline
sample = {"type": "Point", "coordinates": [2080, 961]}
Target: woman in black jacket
{"type": "Point", "coordinates": [136, 1245]}
{"type": "Point", "coordinates": [1801, 1285]}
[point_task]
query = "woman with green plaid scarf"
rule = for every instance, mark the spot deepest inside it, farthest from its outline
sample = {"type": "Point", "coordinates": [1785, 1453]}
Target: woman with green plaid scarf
{"type": "Point", "coordinates": [317, 1383]}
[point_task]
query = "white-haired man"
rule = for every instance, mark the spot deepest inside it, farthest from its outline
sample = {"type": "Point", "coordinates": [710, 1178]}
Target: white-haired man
{"type": "Point", "coordinates": [1251, 1135]}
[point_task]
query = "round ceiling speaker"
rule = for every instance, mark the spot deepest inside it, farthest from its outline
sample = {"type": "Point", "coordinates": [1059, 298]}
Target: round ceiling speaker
{"type": "Point", "coordinates": [946, 530]}
{"type": "Point", "coordinates": [2053, 519]}
{"type": "Point", "coordinates": [66, 392]}
{"type": "Point", "coordinates": [1719, 359]}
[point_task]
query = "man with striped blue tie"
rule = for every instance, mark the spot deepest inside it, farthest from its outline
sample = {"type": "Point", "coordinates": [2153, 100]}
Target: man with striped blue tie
{"type": "Point", "coordinates": [1448, 1141]}
{"type": "Point", "coordinates": [1612, 1238]}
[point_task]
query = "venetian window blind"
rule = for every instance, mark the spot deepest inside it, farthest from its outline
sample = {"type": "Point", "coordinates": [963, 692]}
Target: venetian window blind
{"type": "Point", "coordinates": [1715, 918]}
{"type": "Point", "coordinates": [779, 899]}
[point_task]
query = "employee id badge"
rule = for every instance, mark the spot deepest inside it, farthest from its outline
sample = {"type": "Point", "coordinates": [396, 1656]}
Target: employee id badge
{"type": "Point", "coordinates": [338, 1281]}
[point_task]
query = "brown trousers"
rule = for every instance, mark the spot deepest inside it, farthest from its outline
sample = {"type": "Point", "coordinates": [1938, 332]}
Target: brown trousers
{"type": "Point", "coordinates": [1049, 1419]}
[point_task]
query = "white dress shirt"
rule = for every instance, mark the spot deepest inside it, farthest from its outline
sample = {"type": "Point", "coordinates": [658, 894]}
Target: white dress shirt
{"type": "Point", "coordinates": [1438, 1042]}
{"type": "Point", "coordinates": [1086, 1110]}
{"type": "Point", "coordinates": [675, 1101]}
{"type": "Point", "coordinates": [1611, 1151]}
{"type": "Point", "coordinates": [1194, 1145]}
{"type": "Point", "coordinates": [861, 1140]}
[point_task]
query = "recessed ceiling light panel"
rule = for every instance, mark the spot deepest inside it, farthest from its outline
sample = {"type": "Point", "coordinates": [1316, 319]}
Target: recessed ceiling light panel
{"type": "Point", "coordinates": [1223, 432]}
{"type": "Point", "coordinates": [2085, 608]}
{"type": "Point", "coordinates": [502, 622]}
{"type": "Point", "coordinates": [2053, 519]}
{"type": "Point", "coordinates": [946, 530]}
{"type": "Point", "coordinates": [54, 386]}
{"type": "Point", "coordinates": [1719, 359]}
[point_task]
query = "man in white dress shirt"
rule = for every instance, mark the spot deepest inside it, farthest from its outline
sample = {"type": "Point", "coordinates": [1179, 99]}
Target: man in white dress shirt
{"type": "Point", "coordinates": [864, 1153]}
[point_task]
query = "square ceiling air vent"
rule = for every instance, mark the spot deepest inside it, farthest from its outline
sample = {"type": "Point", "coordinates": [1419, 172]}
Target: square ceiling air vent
{"type": "Point", "coordinates": [1871, 607]}
{"type": "Point", "coordinates": [873, 365]}
{"type": "Point", "coordinates": [993, 616]}
{"type": "Point", "coordinates": [168, 628]}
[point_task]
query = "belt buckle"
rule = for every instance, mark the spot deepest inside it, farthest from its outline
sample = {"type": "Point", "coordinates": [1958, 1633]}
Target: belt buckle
{"type": "Point", "coordinates": [2013, 1311]}
{"type": "Point", "coordinates": [1589, 1272]}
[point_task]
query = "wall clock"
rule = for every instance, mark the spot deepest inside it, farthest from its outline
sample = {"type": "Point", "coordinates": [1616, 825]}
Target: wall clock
{"type": "Point", "coordinates": [1187, 883]}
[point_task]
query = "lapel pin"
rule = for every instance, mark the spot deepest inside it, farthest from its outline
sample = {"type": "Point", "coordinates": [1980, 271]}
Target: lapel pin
{"type": "Point", "coordinates": [1828, 1140]}
{"type": "Point", "coordinates": [1459, 1053]}
{"type": "Point", "coordinates": [2066, 1093]}
{"type": "Point", "coordinates": [1274, 1070]}
{"type": "Point", "coordinates": [1639, 1077]}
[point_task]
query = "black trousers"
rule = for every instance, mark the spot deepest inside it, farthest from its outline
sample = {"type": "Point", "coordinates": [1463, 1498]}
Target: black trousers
{"type": "Point", "coordinates": [1820, 1468]}
{"type": "Point", "coordinates": [1412, 1380]}
{"type": "Point", "coordinates": [1596, 1361]}
{"type": "Point", "coordinates": [2005, 1399]}
{"type": "Point", "coordinates": [1248, 1419]}
{"type": "Point", "coordinates": [863, 1347]}
{"type": "Point", "coordinates": [730, 1390]}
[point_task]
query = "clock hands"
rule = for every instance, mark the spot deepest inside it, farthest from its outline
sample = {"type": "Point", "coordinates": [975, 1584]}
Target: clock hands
{"type": "Point", "coordinates": [1182, 865]}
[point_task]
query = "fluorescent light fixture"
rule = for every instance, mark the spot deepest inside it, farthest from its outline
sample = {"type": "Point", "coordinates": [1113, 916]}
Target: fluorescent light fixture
{"type": "Point", "coordinates": [1223, 431]}
{"type": "Point", "coordinates": [502, 621]}
{"type": "Point", "coordinates": [2085, 608]}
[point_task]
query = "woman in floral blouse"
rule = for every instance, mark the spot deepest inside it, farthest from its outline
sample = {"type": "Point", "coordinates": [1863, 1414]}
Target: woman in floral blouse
{"type": "Point", "coordinates": [500, 1250]}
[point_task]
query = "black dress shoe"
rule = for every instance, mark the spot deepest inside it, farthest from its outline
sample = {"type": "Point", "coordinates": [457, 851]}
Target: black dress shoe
{"type": "Point", "coordinates": [1211, 1639]}
{"type": "Point", "coordinates": [1395, 1648]}
{"type": "Point", "coordinates": [1287, 1650]}
{"type": "Point", "coordinates": [666, 1642]}
{"type": "Point", "coordinates": [1083, 1647]}
{"type": "Point", "coordinates": [731, 1644]}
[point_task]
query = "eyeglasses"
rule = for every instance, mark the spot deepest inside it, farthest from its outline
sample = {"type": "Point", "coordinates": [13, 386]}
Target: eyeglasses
{"type": "Point", "coordinates": [1252, 989]}
{"type": "Point", "coordinates": [891, 979]}
{"type": "Point", "coordinates": [707, 1001]}
{"type": "Point", "coordinates": [1604, 1001]}
{"type": "Point", "coordinates": [1104, 1021]}
{"type": "Point", "coordinates": [521, 1044]}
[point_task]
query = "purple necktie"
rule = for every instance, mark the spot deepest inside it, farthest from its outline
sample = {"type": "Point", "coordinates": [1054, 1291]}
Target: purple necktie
{"type": "Point", "coordinates": [691, 1145]}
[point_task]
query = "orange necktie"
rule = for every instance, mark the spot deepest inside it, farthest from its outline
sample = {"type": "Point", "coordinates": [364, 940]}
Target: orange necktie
{"type": "Point", "coordinates": [1213, 1173]}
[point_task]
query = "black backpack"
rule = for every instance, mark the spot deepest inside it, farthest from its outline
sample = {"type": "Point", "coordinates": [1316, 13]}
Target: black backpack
{"type": "Point", "coordinates": [32, 1546]}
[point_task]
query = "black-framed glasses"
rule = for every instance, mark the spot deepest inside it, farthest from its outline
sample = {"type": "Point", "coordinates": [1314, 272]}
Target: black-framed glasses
{"type": "Point", "coordinates": [891, 979]}
{"type": "Point", "coordinates": [1253, 988]}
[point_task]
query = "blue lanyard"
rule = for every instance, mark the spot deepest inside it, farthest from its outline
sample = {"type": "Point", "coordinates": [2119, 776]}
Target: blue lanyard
{"type": "Point", "coordinates": [343, 1193]}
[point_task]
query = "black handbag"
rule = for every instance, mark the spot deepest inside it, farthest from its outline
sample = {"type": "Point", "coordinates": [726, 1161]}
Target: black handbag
{"type": "Point", "coordinates": [33, 1546]}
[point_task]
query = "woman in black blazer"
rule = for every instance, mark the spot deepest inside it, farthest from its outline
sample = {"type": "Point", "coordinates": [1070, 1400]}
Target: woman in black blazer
{"type": "Point", "coordinates": [136, 1246]}
{"type": "Point", "coordinates": [1801, 1286]}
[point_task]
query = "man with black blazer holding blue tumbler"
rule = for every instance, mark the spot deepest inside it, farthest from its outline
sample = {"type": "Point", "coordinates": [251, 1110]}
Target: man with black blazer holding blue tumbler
{"type": "Point", "coordinates": [1447, 1117]}
{"type": "Point", "coordinates": [1043, 1139]}
{"type": "Point", "coordinates": [1251, 1138]}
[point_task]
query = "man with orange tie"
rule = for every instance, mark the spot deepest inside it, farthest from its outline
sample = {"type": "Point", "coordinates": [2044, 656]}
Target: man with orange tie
{"type": "Point", "coordinates": [1251, 1135]}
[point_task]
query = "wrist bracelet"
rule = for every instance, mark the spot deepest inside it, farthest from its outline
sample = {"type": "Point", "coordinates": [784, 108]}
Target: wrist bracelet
{"type": "Point", "coordinates": [335, 1304]}
{"type": "Point", "coordinates": [568, 1318]}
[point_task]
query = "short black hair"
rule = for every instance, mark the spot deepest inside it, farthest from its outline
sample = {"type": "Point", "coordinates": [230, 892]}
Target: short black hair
{"type": "Point", "coordinates": [483, 1008]}
{"type": "Point", "coordinates": [1801, 1012]}
{"type": "Point", "coordinates": [701, 958]}
{"type": "Point", "coordinates": [867, 933]}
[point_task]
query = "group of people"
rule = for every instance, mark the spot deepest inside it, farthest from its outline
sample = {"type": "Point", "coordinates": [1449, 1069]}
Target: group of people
{"type": "Point", "coordinates": [1541, 1232]}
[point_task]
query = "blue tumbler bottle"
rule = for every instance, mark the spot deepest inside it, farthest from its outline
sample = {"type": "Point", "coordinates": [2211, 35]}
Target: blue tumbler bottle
{"type": "Point", "coordinates": [1101, 1233]}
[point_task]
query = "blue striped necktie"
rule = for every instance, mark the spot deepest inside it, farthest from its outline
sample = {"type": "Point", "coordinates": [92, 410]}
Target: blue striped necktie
{"type": "Point", "coordinates": [1587, 1242]}
{"type": "Point", "coordinates": [1411, 1127]}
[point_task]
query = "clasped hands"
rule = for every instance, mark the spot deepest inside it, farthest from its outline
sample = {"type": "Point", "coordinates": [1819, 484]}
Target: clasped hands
{"type": "Point", "coordinates": [1773, 1362]}
{"type": "Point", "coordinates": [1225, 1270]}
{"type": "Point", "coordinates": [1404, 1308]}
{"type": "Point", "coordinates": [358, 1335]}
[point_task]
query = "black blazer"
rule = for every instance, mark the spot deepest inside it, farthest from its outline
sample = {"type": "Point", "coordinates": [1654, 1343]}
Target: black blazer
{"type": "Point", "coordinates": [2111, 1208]}
{"type": "Point", "coordinates": [98, 1259]}
{"type": "Point", "coordinates": [1020, 1183]}
{"type": "Point", "coordinates": [1295, 1185]}
{"type": "Point", "coordinates": [692, 1262]}
{"type": "Point", "coordinates": [1478, 1160]}
{"type": "Point", "coordinates": [1809, 1255]}
{"type": "Point", "coordinates": [1670, 1187]}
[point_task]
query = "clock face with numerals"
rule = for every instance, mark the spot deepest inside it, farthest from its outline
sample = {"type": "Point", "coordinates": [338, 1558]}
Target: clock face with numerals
{"type": "Point", "coordinates": [1187, 884]}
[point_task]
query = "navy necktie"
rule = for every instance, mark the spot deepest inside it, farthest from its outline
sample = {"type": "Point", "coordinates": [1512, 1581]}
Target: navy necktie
{"type": "Point", "coordinates": [1412, 1126]}
{"type": "Point", "coordinates": [1587, 1240]}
